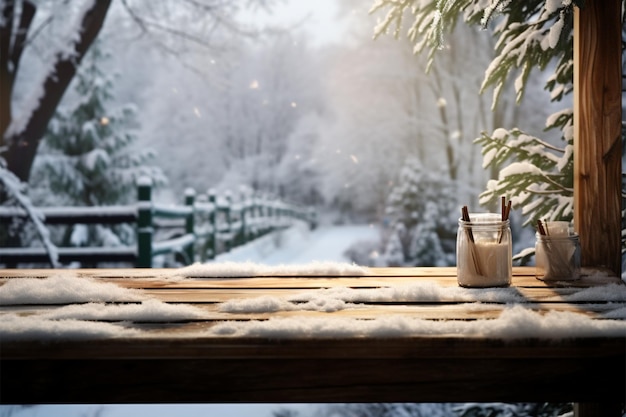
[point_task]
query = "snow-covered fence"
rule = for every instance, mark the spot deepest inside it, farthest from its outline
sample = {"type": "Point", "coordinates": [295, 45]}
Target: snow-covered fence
{"type": "Point", "coordinates": [203, 227]}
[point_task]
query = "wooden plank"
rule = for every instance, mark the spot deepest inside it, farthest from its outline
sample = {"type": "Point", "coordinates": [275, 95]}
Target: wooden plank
{"type": "Point", "coordinates": [434, 273]}
{"type": "Point", "coordinates": [162, 278]}
{"type": "Point", "coordinates": [162, 346]}
{"type": "Point", "coordinates": [183, 295]}
{"type": "Point", "coordinates": [461, 311]}
{"type": "Point", "coordinates": [219, 295]}
{"type": "Point", "coordinates": [361, 282]}
{"type": "Point", "coordinates": [181, 361]}
{"type": "Point", "coordinates": [597, 132]}
{"type": "Point", "coordinates": [417, 369]}
{"type": "Point", "coordinates": [280, 380]}
{"type": "Point", "coordinates": [168, 272]}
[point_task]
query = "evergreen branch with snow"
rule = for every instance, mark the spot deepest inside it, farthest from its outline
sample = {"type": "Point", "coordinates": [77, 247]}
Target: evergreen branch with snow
{"type": "Point", "coordinates": [529, 35]}
{"type": "Point", "coordinates": [533, 174]}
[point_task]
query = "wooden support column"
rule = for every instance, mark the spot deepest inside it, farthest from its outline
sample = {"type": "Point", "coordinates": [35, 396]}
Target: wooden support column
{"type": "Point", "coordinates": [597, 132]}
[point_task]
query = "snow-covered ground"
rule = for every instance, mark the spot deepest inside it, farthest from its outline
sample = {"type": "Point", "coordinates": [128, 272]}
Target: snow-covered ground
{"type": "Point", "coordinates": [298, 245]}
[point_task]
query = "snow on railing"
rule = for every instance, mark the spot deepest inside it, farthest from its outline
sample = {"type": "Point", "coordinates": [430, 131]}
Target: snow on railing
{"type": "Point", "coordinates": [203, 227]}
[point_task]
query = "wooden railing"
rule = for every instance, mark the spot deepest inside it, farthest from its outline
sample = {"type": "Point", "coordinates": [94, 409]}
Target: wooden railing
{"type": "Point", "coordinates": [205, 226]}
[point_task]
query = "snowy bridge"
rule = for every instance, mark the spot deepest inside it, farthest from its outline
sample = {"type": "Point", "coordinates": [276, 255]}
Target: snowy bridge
{"type": "Point", "coordinates": [203, 227]}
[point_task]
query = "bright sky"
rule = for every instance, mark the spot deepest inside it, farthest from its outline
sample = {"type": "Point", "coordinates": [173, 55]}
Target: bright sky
{"type": "Point", "coordinates": [317, 18]}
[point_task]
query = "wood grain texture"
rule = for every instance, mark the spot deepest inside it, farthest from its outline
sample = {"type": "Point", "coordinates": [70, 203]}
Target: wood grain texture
{"type": "Point", "coordinates": [597, 132]}
{"type": "Point", "coordinates": [181, 360]}
{"type": "Point", "coordinates": [312, 380]}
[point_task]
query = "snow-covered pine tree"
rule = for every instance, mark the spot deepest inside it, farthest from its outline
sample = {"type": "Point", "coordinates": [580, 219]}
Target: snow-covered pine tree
{"type": "Point", "coordinates": [535, 175]}
{"type": "Point", "coordinates": [394, 254]}
{"type": "Point", "coordinates": [428, 230]}
{"type": "Point", "coordinates": [87, 157]}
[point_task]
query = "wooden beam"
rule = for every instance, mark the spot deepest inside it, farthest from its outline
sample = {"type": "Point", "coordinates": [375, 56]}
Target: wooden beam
{"type": "Point", "coordinates": [597, 132]}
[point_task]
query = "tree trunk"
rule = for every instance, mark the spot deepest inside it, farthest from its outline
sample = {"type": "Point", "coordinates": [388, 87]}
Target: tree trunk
{"type": "Point", "coordinates": [22, 144]}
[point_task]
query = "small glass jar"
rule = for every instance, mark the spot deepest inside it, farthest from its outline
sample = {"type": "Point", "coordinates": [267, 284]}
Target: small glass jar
{"type": "Point", "coordinates": [484, 251]}
{"type": "Point", "coordinates": [557, 258]}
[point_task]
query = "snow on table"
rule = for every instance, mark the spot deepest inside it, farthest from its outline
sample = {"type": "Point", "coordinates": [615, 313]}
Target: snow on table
{"type": "Point", "coordinates": [322, 331]}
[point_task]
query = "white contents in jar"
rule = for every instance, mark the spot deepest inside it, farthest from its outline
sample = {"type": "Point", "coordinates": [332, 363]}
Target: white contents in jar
{"type": "Point", "coordinates": [485, 264]}
{"type": "Point", "coordinates": [555, 259]}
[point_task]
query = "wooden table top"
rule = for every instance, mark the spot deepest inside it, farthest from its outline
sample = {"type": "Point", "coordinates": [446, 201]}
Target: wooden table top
{"type": "Point", "coordinates": [395, 334]}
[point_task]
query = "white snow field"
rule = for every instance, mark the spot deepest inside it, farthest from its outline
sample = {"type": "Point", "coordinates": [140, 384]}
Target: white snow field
{"type": "Point", "coordinates": [298, 245]}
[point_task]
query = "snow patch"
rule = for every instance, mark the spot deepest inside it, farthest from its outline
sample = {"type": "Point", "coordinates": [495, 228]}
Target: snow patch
{"type": "Point", "coordinates": [513, 323]}
{"type": "Point", "coordinates": [341, 298]}
{"type": "Point", "coordinates": [64, 289]}
{"type": "Point", "coordinates": [555, 31]}
{"type": "Point", "coordinates": [14, 327]}
{"type": "Point", "coordinates": [610, 292]}
{"type": "Point", "coordinates": [81, 321]}
{"type": "Point", "coordinates": [519, 168]}
{"type": "Point", "coordinates": [252, 269]}
{"type": "Point", "coordinates": [146, 311]}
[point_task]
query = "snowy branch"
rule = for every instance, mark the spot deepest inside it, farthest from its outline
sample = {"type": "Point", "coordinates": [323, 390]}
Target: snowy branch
{"type": "Point", "coordinates": [14, 189]}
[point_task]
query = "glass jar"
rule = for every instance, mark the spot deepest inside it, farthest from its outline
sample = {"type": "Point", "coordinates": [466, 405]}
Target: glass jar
{"type": "Point", "coordinates": [484, 251]}
{"type": "Point", "coordinates": [557, 258]}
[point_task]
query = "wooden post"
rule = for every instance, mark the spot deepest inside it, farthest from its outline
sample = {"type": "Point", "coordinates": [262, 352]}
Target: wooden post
{"type": "Point", "coordinates": [598, 144]}
{"type": "Point", "coordinates": [144, 223]}
{"type": "Point", "coordinates": [597, 132]}
{"type": "Point", "coordinates": [190, 196]}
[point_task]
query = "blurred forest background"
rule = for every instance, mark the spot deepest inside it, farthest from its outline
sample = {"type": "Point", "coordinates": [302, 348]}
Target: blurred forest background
{"type": "Point", "coordinates": [275, 97]}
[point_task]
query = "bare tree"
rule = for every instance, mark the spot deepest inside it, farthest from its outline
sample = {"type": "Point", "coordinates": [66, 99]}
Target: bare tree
{"type": "Point", "coordinates": [24, 23]}
{"type": "Point", "coordinates": [19, 141]}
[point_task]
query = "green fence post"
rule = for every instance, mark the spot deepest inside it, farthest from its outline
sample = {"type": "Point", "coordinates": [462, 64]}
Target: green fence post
{"type": "Point", "coordinates": [270, 215]}
{"type": "Point", "coordinates": [261, 213]}
{"type": "Point", "coordinates": [190, 196]}
{"type": "Point", "coordinates": [254, 217]}
{"type": "Point", "coordinates": [243, 232]}
{"type": "Point", "coordinates": [144, 223]}
{"type": "Point", "coordinates": [201, 241]}
{"type": "Point", "coordinates": [212, 240]}
{"type": "Point", "coordinates": [229, 221]}
{"type": "Point", "coordinates": [312, 217]}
